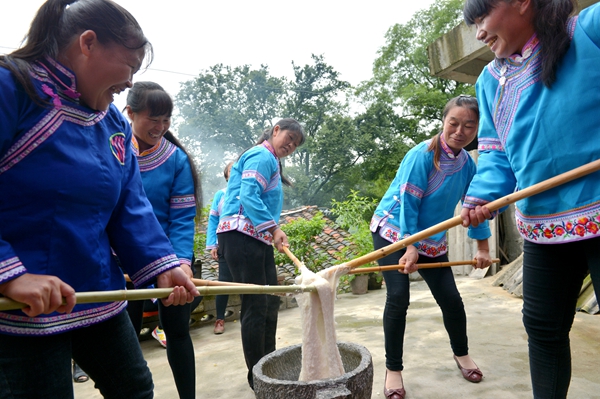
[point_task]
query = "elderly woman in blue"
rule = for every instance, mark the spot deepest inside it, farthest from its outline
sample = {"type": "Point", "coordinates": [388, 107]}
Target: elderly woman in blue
{"type": "Point", "coordinates": [248, 227]}
{"type": "Point", "coordinates": [539, 102]}
{"type": "Point", "coordinates": [432, 178]}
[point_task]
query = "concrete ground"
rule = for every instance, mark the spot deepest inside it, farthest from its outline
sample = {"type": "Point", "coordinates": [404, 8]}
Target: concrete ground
{"type": "Point", "coordinates": [497, 342]}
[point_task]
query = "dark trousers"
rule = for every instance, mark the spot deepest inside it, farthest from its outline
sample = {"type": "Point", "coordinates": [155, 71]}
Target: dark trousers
{"type": "Point", "coordinates": [443, 287]}
{"type": "Point", "coordinates": [175, 320]}
{"type": "Point", "coordinates": [109, 352]}
{"type": "Point", "coordinates": [251, 261]}
{"type": "Point", "coordinates": [552, 279]}
{"type": "Point", "coordinates": [224, 275]}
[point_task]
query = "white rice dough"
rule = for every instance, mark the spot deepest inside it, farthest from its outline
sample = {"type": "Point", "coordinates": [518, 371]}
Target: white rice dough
{"type": "Point", "coordinates": [320, 355]}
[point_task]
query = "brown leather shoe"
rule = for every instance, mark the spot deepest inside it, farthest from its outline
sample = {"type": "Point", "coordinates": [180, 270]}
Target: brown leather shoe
{"type": "Point", "coordinates": [472, 375]}
{"type": "Point", "coordinates": [219, 326]}
{"type": "Point", "coordinates": [397, 393]}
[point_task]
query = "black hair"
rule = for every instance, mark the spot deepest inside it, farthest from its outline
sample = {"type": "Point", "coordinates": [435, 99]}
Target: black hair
{"type": "Point", "coordinates": [463, 100]}
{"type": "Point", "coordinates": [227, 170]}
{"type": "Point", "coordinates": [550, 25]}
{"type": "Point", "coordinates": [152, 97]}
{"type": "Point", "coordinates": [55, 26]}
{"type": "Point", "coordinates": [149, 96]}
{"type": "Point", "coordinates": [284, 124]}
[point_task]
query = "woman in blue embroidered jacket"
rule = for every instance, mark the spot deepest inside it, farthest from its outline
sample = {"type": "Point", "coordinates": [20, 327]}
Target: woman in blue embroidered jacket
{"type": "Point", "coordinates": [171, 183]}
{"type": "Point", "coordinates": [213, 247]}
{"type": "Point", "coordinates": [432, 178]}
{"type": "Point", "coordinates": [539, 104]}
{"type": "Point", "coordinates": [71, 190]}
{"type": "Point", "coordinates": [248, 227]}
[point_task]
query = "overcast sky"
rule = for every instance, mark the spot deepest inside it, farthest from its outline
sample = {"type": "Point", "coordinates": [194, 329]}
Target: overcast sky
{"type": "Point", "coordinates": [189, 36]}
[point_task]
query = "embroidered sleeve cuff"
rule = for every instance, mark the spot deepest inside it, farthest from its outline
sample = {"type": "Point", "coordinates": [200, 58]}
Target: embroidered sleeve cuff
{"type": "Point", "coordinates": [10, 269]}
{"type": "Point", "coordinates": [148, 274]}
{"type": "Point", "coordinates": [472, 202]}
{"type": "Point", "coordinates": [184, 261]}
{"type": "Point", "coordinates": [266, 225]}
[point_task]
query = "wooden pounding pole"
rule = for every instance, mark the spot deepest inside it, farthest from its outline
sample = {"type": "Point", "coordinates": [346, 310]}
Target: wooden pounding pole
{"type": "Point", "coordinates": [296, 261]}
{"type": "Point", "coordinates": [141, 294]}
{"type": "Point", "coordinates": [492, 206]}
{"type": "Point", "coordinates": [363, 270]}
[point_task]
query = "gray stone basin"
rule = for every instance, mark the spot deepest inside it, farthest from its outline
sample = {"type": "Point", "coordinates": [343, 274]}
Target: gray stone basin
{"type": "Point", "coordinates": [276, 375]}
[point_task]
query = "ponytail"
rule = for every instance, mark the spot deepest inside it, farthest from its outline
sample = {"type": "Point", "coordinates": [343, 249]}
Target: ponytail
{"type": "Point", "coordinates": [169, 136]}
{"type": "Point", "coordinates": [550, 24]}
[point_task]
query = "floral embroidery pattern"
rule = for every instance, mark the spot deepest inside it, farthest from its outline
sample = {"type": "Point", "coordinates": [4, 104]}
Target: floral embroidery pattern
{"type": "Point", "coordinates": [566, 230]}
{"type": "Point", "coordinates": [432, 251]}
{"type": "Point", "coordinates": [391, 234]}
{"type": "Point", "coordinates": [243, 225]}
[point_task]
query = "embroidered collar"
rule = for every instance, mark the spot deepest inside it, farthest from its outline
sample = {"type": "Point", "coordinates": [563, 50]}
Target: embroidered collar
{"type": "Point", "coordinates": [528, 49]}
{"type": "Point", "coordinates": [447, 150]}
{"type": "Point", "coordinates": [61, 75]}
{"type": "Point", "coordinates": [269, 147]}
{"type": "Point", "coordinates": [136, 146]}
{"type": "Point", "coordinates": [507, 66]}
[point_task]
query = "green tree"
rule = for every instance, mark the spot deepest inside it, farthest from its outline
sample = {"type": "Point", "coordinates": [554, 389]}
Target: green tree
{"type": "Point", "coordinates": [317, 96]}
{"type": "Point", "coordinates": [401, 75]}
{"type": "Point", "coordinates": [223, 111]}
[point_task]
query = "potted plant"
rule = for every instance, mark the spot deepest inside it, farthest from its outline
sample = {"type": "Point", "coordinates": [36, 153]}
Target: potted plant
{"type": "Point", "coordinates": [375, 280]}
{"type": "Point", "coordinates": [359, 283]}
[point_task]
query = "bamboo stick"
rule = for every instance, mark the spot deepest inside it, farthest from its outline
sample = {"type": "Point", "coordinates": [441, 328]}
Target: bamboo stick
{"type": "Point", "coordinates": [141, 294]}
{"type": "Point", "coordinates": [204, 283]}
{"type": "Point", "coordinates": [296, 261]}
{"type": "Point", "coordinates": [363, 270]}
{"type": "Point", "coordinates": [492, 206]}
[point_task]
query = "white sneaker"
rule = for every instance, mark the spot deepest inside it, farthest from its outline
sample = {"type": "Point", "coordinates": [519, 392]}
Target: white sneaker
{"type": "Point", "coordinates": [159, 335]}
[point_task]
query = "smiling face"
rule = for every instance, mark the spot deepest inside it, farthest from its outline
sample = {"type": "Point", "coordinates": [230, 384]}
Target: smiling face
{"type": "Point", "coordinates": [507, 27]}
{"type": "Point", "coordinates": [148, 130]}
{"type": "Point", "coordinates": [102, 71]}
{"type": "Point", "coordinates": [284, 142]}
{"type": "Point", "coordinates": [460, 128]}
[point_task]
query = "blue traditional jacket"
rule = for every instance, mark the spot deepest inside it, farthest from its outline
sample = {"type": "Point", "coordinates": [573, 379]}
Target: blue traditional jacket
{"type": "Point", "coordinates": [529, 133]}
{"type": "Point", "coordinates": [213, 219]}
{"type": "Point", "coordinates": [421, 196]}
{"type": "Point", "coordinates": [70, 190]}
{"type": "Point", "coordinates": [168, 183]}
{"type": "Point", "coordinates": [254, 196]}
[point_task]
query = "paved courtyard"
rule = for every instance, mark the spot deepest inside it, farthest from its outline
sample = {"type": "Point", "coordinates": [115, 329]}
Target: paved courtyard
{"type": "Point", "coordinates": [497, 342]}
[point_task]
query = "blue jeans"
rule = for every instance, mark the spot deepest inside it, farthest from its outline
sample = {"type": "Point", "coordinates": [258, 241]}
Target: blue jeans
{"type": "Point", "coordinates": [252, 261]}
{"type": "Point", "coordinates": [109, 352]}
{"type": "Point", "coordinates": [552, 279]}
{"type": "Point", "coordinates": [443, 287]}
